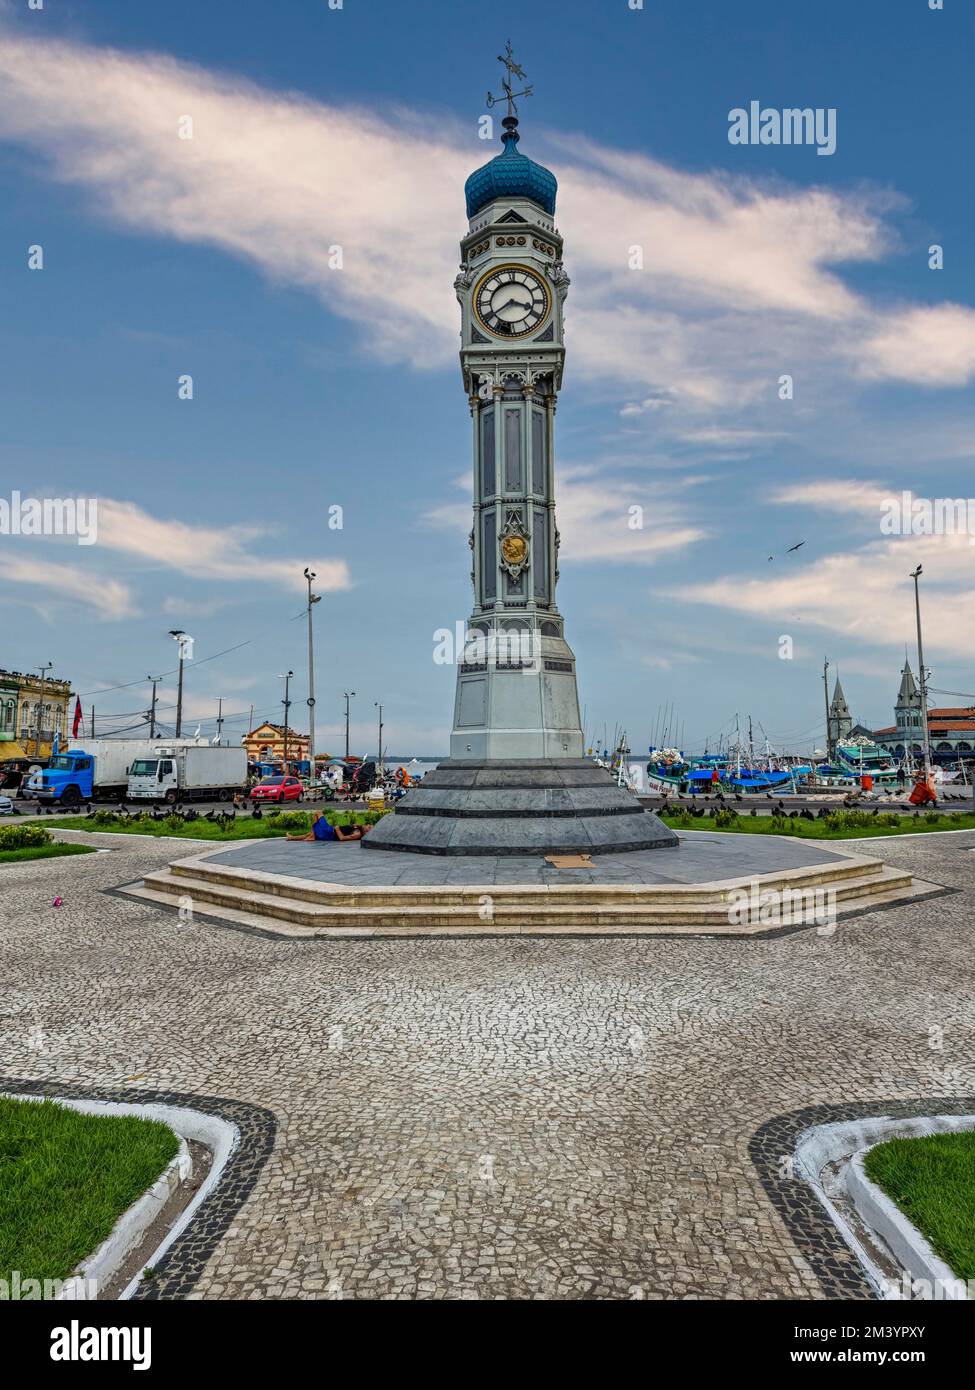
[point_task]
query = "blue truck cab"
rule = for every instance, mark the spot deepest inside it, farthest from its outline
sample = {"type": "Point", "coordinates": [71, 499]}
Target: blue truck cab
{"type": "Point", "coordinates": [67, 779]}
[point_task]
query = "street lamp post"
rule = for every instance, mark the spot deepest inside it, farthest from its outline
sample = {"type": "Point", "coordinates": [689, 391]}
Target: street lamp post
{"type": "Point", "coordinates": [829, 739]}
{"type": "Point", "coordinates": [312, 599]}
{"type": "Point", "coordinates": [348, 696]}
{"type": "Point", "coordinates": [152, 709]}
{"type": "Point", "coordinates": [40, 706]}
{"type": "Point", "coordinates": [178, 636]}
{"type": "Point", "coordinates": [379, 760]}
{"type": "Point", "coordinates": [286, 677]}
{"type": "Point", "coordinates": [915, 575]}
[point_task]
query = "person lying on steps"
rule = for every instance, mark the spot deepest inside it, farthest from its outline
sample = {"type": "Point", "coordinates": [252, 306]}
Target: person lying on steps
{"type": "Point", "coordinates": [322, 830]}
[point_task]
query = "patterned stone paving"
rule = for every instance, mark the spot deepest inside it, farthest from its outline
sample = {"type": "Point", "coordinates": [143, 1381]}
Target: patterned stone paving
{"type": "Point", "coordinates": [702, 857]}
{"type": "Point", "coordinates": [517, 1118]}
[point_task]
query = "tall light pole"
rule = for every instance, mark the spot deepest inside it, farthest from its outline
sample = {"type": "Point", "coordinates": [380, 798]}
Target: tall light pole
{"type": "Point", "coordinates": [286, 677]}
{"type": "Point", "coordinates": [378, 705]}
{"type": "Point", "coordinates": [348, 696]}
{"type": "Point", "coordinates": [177, 635]}
{"type": "Point", "coordinates": [219, 721]}
{"type": "Point", "coordinates": [152, 709]}
{"type": "Point", "coordinates": [312, 599]}
{"type": "Point", "coordinates": [915, 575]}
{"type": "Point", "coordinates": [829, 739]}
{"type": "Point", "coordinates": [40, 706]}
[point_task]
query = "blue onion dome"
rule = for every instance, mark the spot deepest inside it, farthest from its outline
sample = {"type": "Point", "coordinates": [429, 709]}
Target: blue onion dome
{"type": "Point", "coordinates": [511, 175]}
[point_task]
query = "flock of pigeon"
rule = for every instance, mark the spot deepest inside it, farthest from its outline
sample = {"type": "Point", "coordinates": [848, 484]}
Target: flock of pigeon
{"type": "Point", "coordinates": [123, 812]}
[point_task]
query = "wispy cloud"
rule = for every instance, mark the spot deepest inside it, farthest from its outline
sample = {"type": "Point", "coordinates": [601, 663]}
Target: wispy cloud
{"type": "Point", "coordinates": [865, 594]}
{"type": "Point", "coordinates": [48, 584]}
{"type": "Point", "coordinates": [740, 280]}
{"type": "Point", "coordinates": [603, 517]}
{"type": "Point", "coordinates": [206, 552]}
{"type": "Point", "coordinates": [209, 553]}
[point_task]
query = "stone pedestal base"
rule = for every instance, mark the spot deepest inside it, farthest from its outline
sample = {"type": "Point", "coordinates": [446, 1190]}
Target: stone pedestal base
{"type": "Point", "coordinates": [530, 806]}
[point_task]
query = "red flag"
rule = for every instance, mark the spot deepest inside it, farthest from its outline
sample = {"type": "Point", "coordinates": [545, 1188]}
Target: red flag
{"type": "Point", "coordinates": [77, 717]}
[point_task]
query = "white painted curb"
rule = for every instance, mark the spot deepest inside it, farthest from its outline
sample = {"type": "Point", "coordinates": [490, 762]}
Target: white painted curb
{"type": "Point", "coordinates": [846, 1143]}
{"type": "Point", "coordinates": [901, 1236]}
{"type": "Point", "coordinates": [221, 1137]}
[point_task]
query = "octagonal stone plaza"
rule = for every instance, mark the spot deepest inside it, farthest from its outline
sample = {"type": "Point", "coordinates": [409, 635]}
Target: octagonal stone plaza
{"type": "Point", "coordinates": [497, 1118]}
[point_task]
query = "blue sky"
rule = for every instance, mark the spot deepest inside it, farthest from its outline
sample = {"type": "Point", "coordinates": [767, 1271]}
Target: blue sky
{"type": "Point", "coordinates": [316, 387]}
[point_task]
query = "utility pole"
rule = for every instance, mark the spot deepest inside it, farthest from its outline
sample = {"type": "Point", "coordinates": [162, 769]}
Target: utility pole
{"type": "Point", "coordinates": [152, 711]}
{"type": "Point", "coordinates": [40, 706]}
{"type": "Point", "coordinates": [92, 734]}
{"type": "Point", "coordinates": [219, 721]}
{"type": "Point", "coordinates": [378, 706]}
{"type": "Point", "coordinates": [178, 636]}
{"type": "Point", "coordinates": [915, 575]}
{"type": "Point", "coordinates": [829, 739]}
{"type": "Point", "coordinates": [312, 599]}
{"type": "Point", "coordinates": [348, 696]}
{"type": "Point", "coordinates": [286, 677]}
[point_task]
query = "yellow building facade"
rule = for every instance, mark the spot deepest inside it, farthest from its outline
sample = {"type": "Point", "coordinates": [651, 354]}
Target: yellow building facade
{"type": "Point", "coordinates": [265, 744]}
{"type": "Point", "coordinates": [31, 712]}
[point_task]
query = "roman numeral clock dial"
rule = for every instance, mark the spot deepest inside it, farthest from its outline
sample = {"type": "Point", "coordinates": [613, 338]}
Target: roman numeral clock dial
{"type": "Point", "coordinates": [511, 301]}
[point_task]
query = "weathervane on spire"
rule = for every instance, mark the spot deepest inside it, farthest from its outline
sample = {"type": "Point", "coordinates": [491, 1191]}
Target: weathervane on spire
{"type": "Point", "coordinates": [513, 69]}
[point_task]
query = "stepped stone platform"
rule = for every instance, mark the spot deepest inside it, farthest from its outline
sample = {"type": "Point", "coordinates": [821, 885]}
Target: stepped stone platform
{"type": "Point", "coordinates": [302, 889]}
{"type": "Point", "coordinates": [518, 808]}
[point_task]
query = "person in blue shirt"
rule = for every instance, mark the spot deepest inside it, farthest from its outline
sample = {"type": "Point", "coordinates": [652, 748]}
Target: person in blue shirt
{"type": "Point", "coordinates": [322, 830]}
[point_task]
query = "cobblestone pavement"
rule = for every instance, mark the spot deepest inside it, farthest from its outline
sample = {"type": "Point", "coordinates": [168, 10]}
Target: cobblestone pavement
{"type": "Point", "coordinates": [515, 1118]}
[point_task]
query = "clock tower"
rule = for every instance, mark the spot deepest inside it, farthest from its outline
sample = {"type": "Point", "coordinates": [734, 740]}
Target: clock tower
{"type": "Point", "coordinates": [516, 782]}
{"type": "Point", "coordinates": [516, 684]}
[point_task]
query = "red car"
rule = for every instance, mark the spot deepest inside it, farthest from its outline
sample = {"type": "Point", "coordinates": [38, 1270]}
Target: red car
{"type": "Point", "coordinates": [277, 789]}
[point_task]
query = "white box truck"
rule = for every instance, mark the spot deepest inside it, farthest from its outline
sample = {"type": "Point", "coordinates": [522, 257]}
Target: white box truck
{"type": "Point", "coordinates": [195, 773]}
{"type": "Point", "coordinates": [96, 771]}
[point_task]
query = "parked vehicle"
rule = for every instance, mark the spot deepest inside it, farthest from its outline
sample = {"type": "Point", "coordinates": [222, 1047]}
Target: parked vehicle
{"type": "Point", "coordinates": [97, 772]}
{"type": "Point", "coordinates": [6, 806]}
{"type": "Point", "coordinates": [15, 771]}
{"type": "Point", "coordinates": [277, 789]}
{"type": "Point", "coordinates": [198, 772]}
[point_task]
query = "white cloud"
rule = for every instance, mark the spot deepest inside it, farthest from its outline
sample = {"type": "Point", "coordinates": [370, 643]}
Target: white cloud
{"type": "Point", "coordinates": [48, 583]}
{"type": "Point", "coordinates": [865, 594]}
{"type": "Point", "coordinates": [206, 552]}
{"type": "Point", "coordinates": [930, 346]}
{"type": "Point", "coordinates": [740, 279]}
{"type": "Point", "coordinates": [595, 518]}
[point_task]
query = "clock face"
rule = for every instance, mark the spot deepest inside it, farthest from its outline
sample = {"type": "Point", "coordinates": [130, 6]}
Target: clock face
{"type": "Point", "coordinates": [511, 301]}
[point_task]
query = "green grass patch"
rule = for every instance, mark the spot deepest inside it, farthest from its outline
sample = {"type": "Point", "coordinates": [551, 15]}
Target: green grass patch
{"type": "Point", "coordinates": [243, 827]}
{"type": "Point", "coordinates": [837, 825]}
{"type": "Point", "coordinates": [932, 1180]}
{"type": "Point", "coordinates": [52, 851]}
{"type": "Point", "coordinates": [66, 1178]}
